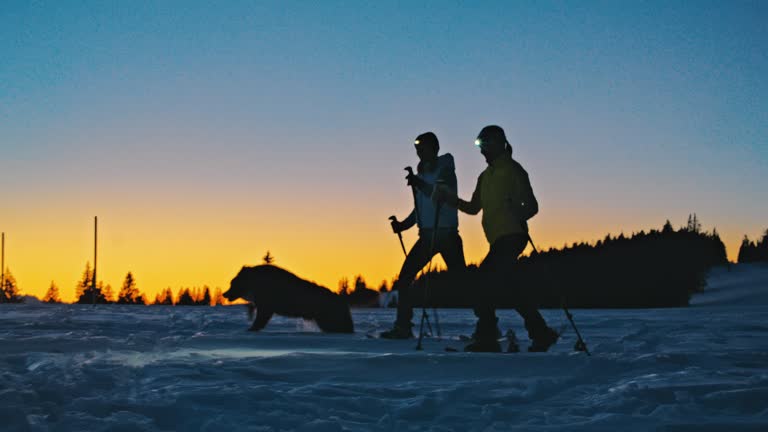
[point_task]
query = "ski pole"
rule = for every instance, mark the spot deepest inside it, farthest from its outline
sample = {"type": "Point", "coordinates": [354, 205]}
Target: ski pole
{"type": "Point", "coordinates": [424, 315]}
{"type": "Point", "coordinates": [580, 344]}
{"type": "Point", "coordinates": [431, 256]}
{"type": "Point", "coordinates": [400, 236]}
{"type": "Point", "coordinates": [426, 285]}
{"type": "Point", "coordinates": [415, 201]}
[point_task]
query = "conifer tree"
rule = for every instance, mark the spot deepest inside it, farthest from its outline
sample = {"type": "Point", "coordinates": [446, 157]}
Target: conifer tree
{"type": "Point", "coordinates": [383, 287]}
{"type": "Point", "coordinates": [762, 247]}
{"type": "Point", "coordinates": [745, 251]}
{"type": "Point", "coordinates": [52, 295]}
{"type": "Point", "coordinates": [168, 297]}
{"type": "Point", "coordinates": [109, 294]}
{"type": "Point", "coordinates": [359, 284]}
{"type": "Point", "coordinates": [9, 291]}
{"type": "Point", "coordinates": [185, 298]}
{"type": "Point", "coordinates": [206, 300]}
{"type": "Point", "coordinates": [129, 294]}
{"type": "Point", "coordinates": [85, 281]}
{"type": "Point", "coordinates": [87, 291]}
{"type": "Point", "coordinates": [218, 297]}
{"type": "Point", "coordinates": [344, 286]}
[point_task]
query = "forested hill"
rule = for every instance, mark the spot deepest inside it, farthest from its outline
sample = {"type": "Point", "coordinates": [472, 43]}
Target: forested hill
{"type": "Point", "coordinates": [655, 269]}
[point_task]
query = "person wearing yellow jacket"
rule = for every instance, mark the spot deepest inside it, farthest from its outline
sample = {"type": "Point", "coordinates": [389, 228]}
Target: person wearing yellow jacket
{"type": "Point", "coordinates": [505, 196]}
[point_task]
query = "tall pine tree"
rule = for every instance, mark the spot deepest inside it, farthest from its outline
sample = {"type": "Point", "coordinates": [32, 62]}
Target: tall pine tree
{"type": "Point", "coordinates": [129, 294]}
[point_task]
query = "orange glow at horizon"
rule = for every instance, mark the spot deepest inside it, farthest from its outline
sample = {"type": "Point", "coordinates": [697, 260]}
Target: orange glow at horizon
{"type": "Point", "coordinates": [194, 253]}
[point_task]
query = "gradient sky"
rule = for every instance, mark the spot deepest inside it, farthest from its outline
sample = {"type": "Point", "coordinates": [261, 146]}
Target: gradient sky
{"type": "Point", "coordinates": [205, 133]}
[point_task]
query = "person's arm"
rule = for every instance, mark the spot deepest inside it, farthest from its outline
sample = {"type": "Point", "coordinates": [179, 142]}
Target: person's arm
{"type": "Point", "coordinates": [446, 174]}
{"type": "Point", "coordinates": [473, 207]}
{"type": "Point", "coordinates": [408, 222]}
{"type": "Point", "coordinates": [530, 205]}
{"type": "Point", "coordinates": [525, 206]}
{"type": "Point", "coordinates": [419, 183]}
{"type": "Point", "coordinates": [398, 227]}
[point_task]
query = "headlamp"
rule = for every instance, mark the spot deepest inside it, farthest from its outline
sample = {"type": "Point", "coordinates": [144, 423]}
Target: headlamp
{"type": "Point", "coordinates": [417, 142]}
{"type": "Point", "coordinates": [479, 142]}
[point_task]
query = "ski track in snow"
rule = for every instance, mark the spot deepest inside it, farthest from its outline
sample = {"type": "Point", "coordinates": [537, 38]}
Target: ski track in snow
{"type": "Point", "coordinates": [74, 367]}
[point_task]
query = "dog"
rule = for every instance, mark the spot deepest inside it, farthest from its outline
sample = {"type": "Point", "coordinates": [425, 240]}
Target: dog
{"type": "Point", "coordinates": [273, 290]}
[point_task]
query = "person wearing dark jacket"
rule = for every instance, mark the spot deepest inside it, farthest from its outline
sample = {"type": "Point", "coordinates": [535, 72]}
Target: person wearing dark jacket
{"type": "Point", "coordinates": [505, 196]}
{"type": "Point", "coordinates": [432, 170]}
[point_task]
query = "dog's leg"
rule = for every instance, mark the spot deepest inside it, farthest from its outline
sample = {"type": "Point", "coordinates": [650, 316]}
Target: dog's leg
{"type": "Point", "coordinates": [263, 315]}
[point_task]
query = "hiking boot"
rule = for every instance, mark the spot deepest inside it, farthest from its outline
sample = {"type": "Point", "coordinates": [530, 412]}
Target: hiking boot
{"type": "Point", "coordinates": [474, 335]}
{"type": "Point", "coordinates": [487, 345]}
{"type": "Point", "coordinates": [398, 332]}
{"type": "Point", "coordinates": [486, 327]}
{"type": "Point", "coordinates": [512, 345]}
{"type": "Point", "coordinates": [542, 342]}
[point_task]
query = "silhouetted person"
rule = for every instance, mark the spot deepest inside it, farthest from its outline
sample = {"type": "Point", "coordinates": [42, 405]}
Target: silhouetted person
{"type": "Point", "coordinates": [505, 196]}
{"type": "Point", "coordinates": [431, 170]}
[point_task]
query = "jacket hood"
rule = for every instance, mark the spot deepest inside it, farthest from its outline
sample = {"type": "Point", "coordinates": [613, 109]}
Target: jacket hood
{"type": "Point", "coordinates": [444, 162]}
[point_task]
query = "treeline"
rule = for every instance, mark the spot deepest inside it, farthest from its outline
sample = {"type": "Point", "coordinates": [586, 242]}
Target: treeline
{"type": "Point", "coordinates": [195, 296]}
{"type": "Point", "coordinates": [88, 292]}
{"type": "Point", "coordinates": [661, 268]}
{"type": "Point", "coordinates": [359, 294]}
{"type": "Point", "coordinates": [754, 251]}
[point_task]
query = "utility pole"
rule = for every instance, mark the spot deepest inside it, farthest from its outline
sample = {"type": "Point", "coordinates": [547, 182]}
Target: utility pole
{"type": "Point", "coordinates": [95, 255]}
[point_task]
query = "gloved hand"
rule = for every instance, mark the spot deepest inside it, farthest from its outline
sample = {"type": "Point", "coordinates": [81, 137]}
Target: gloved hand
{"type": "Point", "coordinates": [397, 227]}
{"type": "Point", "coordinates": [443, 194]}
{"type": "Point", "coordinates": [415, 180]}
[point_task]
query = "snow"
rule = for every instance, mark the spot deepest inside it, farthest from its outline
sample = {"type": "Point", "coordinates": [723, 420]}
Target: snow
{"type": "Point", "coordinates": [72, 367]}
{"type": "Point", "coordinates": [743, 284]}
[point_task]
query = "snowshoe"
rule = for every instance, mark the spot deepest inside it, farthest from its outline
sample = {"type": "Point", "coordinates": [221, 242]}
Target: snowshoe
{"type": "Point", "coordinates": [488, 345]}
{"type": "Point", "coordinates": [544, 341]}
{"type": "Point", "coordinates": [397, 332]}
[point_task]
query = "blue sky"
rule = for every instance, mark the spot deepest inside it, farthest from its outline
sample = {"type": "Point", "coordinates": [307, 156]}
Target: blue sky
{"type": "Point", "coordinates": [624, 113]}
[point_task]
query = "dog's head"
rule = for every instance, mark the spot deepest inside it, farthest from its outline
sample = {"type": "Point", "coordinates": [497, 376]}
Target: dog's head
{"type": "Point", "coordinates": [238, 288]}
{"type": "Point", "coordinates": [250, 280]}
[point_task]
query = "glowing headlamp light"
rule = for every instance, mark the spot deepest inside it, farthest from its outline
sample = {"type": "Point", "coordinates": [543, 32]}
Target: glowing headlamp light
{"type": "Point", "coordinates": [417, 142]}
{"type": "Point", "coordinates": [479, 142]}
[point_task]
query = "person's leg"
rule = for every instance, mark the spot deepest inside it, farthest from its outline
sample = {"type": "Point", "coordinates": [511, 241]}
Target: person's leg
{"type": "Point", "coordinates": [417, 258]}
{"type": "Point", "coordinates": [451, 248]}
{"type": "Point", "coordinates": [497, 270]}
{"type": "Point", "coordinates": [485, 336]}
{"type": "Point", "coordinates": [541, 335]}
{"type": "Point", "coordinates": [485, 310]}
{"type": "Point", "coordinates": [534, 322]}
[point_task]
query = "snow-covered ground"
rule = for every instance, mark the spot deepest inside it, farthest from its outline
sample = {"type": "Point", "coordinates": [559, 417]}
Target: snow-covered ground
{"type": "Point", "coordinates": [703, 368]}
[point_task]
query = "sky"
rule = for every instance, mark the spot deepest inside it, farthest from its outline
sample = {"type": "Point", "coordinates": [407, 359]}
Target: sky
{"type": "Point", "coordinates": [203, 134]}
